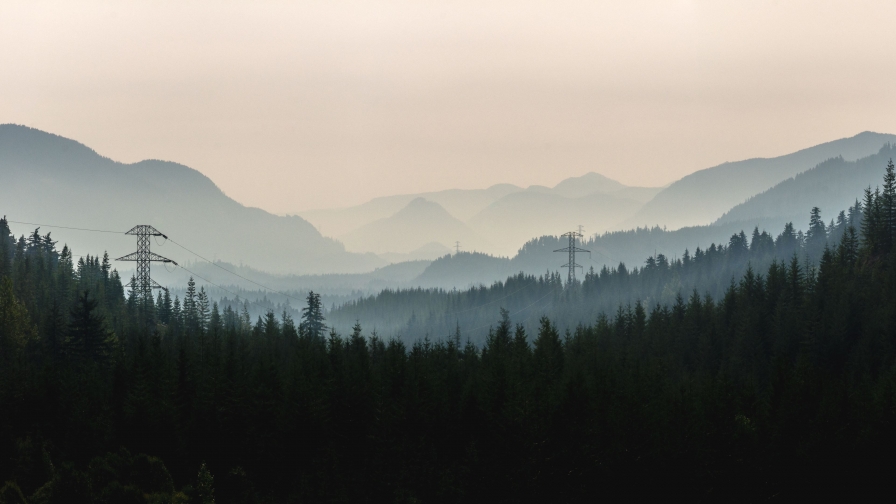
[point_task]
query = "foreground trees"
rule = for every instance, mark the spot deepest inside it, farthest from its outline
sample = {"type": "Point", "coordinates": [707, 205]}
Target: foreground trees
{"type": "Point", "coordinates": [782, 386]}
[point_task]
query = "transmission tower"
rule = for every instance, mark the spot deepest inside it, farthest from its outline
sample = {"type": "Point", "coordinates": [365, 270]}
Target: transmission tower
{"type": "Point", "coordinates": [572, 249]}
{"type": "Point", "coordinates": [142, 283]}
{"type": "Point", "coordinates": [456, 247]}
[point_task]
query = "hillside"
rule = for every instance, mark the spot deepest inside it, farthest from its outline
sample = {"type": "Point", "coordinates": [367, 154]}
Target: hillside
{"type": "Point", "coordinates": [420, 223]}
{"type": "Point", "coordinates": [504, 214]}
{"type": "Point", "coordinates": [701, 197]}
{"type": "Point", "coordinates": [54, 180]}
{"type": "Point", "coordinates": [832, 185]}
{"type": "Point", "coordinates": [460, 203]}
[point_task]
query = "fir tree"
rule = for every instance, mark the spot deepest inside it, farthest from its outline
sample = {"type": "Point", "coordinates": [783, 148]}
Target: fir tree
{"type": "Point", "coordinates": [89, 339]}
{"type": "Point", "coordinates": [313, 317]}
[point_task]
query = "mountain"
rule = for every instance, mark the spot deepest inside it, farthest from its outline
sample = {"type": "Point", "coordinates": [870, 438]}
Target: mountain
{"type": "Point", "coordinates": [419, 223]}
{"type": "Point", "coordinates": [53, 180]}
{"type": "Point", "coordinates": [516, 218]}
{"type": "Point", "coordinates": [587, 184]}
{"type": "Point", "coordinates": [832, 186]}
{"type": "Point", "coordinates": [508, 215]}
{"type": "Point", "coordinates": [461, 203]}
{"type": "Point", "coordinates": [701, 197]}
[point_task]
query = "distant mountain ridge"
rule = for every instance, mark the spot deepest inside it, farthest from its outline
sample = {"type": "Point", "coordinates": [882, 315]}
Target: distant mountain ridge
{"type": "Point", "coordinates": [500, 218]}
{"type": "Point", "coordinates": [833, 185]}
{"type": "Point", "coordinates": [53, 180]}
{"type": "Point", "coordinates": [420, 223]}
{"type": "Point", "coordinates": [509, 215]}
{"type": "Point", "coordinates": [699, 198]}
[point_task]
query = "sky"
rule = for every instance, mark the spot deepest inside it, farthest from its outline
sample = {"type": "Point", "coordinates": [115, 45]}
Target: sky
{"type": "Point", "coordinates": [290, 106]}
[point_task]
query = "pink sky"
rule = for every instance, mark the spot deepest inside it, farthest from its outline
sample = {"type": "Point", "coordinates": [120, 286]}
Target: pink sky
{"type": "Point", "coordinates": [295, 105]}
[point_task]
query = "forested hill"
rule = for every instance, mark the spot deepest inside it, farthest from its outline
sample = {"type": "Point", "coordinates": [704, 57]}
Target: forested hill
{"type": "Point", "coordinates": [412, 314]}
{"type": "Point", "coordinates": [699, 198]}
{"type": "Point", "coordinates": [47, 178]}
{"type": "Point", "coordinates": [833, 186]}
{"type": "Point", "coordinates": [779, 387]}
{"type": "Point", "coordinates": [836, 183]}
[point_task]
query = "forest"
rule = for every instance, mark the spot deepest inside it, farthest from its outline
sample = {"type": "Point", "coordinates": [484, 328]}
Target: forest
{"type": "Point", "coordinates": [761, 369]}
{"type": "Point", "coordinates": [411, 314]}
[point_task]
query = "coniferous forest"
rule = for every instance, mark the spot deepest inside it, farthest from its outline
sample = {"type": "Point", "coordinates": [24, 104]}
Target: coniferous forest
{"type": "Point", "coordinates": [779, 383]}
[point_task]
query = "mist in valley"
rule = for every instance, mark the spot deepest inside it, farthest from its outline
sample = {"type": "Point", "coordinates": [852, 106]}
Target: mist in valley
{"type": "Point", "coordinates": [397, 251]}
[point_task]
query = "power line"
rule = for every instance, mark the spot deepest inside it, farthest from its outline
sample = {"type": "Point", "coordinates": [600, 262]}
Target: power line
{"type": "Point", "coordinates": [213, 263]}
{"type": "Point", "coordinates": [232, 272]}
{"type": "Point", "coordinates": [168, 239]}
{"type": "Point", "coordinates": [208, 281]}
{"type": "Point", "coordinates": [143, 257]}
{"type": "Point", "coordinates": [571, 250]}
{"type": "Point", "coordinates": [65, 227]}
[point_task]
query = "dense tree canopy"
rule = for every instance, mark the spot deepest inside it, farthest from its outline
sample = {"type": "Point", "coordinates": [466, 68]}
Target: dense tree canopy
{"type": "Point", "coordinates": [779, 383]}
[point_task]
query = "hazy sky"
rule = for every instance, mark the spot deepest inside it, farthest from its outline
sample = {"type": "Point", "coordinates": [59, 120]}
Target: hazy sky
{"type": "Point", "coordinates": [296, 105]}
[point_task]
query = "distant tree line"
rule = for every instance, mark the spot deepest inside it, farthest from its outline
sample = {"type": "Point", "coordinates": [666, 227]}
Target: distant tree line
{"type": "Point", "coordinates": [782, 386]}
{"type": "Point", "coordinates": [411, 314]}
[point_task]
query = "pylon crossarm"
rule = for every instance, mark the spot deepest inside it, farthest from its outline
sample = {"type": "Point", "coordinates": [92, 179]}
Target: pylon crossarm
{"type": "Point", "coordinates": [152, 284]}
{"type": "Point", "coordinates": [146, 230]}
{"type": "Point", "coordinates": [145, 256]}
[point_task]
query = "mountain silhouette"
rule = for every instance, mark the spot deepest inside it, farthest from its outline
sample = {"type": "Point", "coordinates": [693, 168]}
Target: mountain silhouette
{"type": "Point", "coordinates": [833, 185]}
{"type": "Point", "coordinates": [53, 180]}
{"type": "Point", "coordinates": [419, 223]}
{"type": "Point", "coordinates": [701, 197]}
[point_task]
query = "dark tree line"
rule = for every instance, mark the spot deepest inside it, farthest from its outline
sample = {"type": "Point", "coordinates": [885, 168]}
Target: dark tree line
{"type": "Point", "coordinates": [781, 386]}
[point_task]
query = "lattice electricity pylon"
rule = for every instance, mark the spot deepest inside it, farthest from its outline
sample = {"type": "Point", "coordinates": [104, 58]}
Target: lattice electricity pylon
{"type": "Point", "coordinates": [572, 249]}
{"type": "Point", "coordinates": [142, 283]}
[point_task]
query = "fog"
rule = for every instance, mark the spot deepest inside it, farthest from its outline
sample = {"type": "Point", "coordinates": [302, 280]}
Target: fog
{"type": "Point", "coordinates": [293, 106]}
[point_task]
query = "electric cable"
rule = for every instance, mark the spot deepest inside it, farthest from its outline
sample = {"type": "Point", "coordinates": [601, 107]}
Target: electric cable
{"type": "Point", "coordinates": [241, 276]}
{"type": "Point", "coordinates": [208, 281]}
{"type": "Point", "coordinates": [233, 273]}
{"type": "Point", "coordinates": [65, 227]}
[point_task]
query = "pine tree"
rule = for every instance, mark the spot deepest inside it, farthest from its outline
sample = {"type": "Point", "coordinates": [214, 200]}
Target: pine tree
{"type": "Point", "coordinates": [202, 309]}
{"type": "Point", "coordinates": [7, 245]}
{"type": "Point", "coordinates": [289, 326]}
{"type": "Point", "coordinates": [15, 327]}
{"type": "Point", "coordinates": [312, 317]}
{"type": "Point", "coordinates": [190, 308]}
{"type": "Point", "coordinates": [205, 486]}
{"type": "Point", "coordinates": [177, 320]}
{"type": "Point", "coordinates": [787, 243]}
{"type": "Point", "coordinates": [889, 207]}
{"type": "Point", "coordinates": [165, 307]}
{"type": "Point", "coordinates": [89, 339]}
{"type": "Point", "coordinates": [816, 238]}
{"type": "Point", "coordinates": [871, 222]}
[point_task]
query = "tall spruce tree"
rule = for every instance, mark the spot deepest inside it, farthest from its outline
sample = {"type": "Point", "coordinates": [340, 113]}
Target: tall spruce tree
{"type": "Point", "coordinates": [889, 207]}
{"type": "Point", "coordinates": [89, 340]}
{"type": "Point", "coordinates": [313, 319]}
